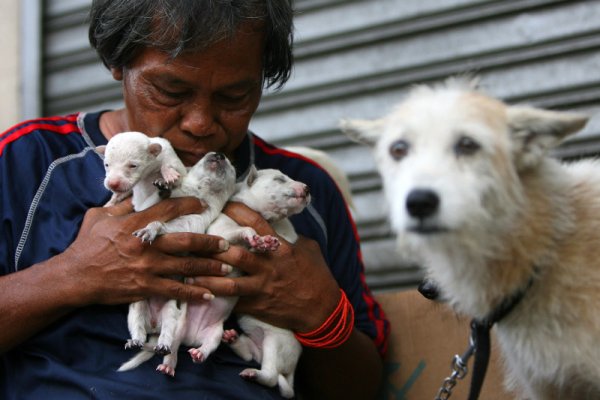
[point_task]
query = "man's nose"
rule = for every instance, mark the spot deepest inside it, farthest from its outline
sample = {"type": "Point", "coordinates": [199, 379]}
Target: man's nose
{"type": "Point", "coordinates": [198, 119]}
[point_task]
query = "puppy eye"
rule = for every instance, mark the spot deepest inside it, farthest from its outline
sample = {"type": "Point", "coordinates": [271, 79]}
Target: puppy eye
{"type": "Point", "coordinates": [399, 149]}
{"type": "Point", "coordinates": [466, 146]}
{"type": "Point", "coordinates": [132, 166]}
{"type": "Point", "coordinates": [279, 179]}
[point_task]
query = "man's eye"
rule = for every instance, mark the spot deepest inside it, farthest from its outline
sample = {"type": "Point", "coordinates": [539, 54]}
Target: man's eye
{"type": "Point", "coordinates": [232, 98]}
{"type": "Point", "coordinates": [172, 94]}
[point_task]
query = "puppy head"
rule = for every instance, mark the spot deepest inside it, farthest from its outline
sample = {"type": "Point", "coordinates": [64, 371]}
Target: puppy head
{"type": "Point", "coordinates": [213, 175]}
{"type": "Point", "coordinates": [450, 156]}
{"type": "Point", "coordinates": [272, 193]}
{"type": "Point", "coordinates": [128, 158]}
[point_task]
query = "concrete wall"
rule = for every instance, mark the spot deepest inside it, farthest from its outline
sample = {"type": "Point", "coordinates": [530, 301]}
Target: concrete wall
{"type": "Point", "coordinates": [10, 100]}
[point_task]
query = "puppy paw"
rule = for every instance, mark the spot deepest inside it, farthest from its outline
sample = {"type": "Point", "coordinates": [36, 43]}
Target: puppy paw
{"type": "Point", "coordinates": [166, 369]}
{"type": "Point", "coordinates": [230, 336]}
{"type": "Point", "coordinates": [170, 175]}
{"type": "Point", "coordinates": [263, 243]}
{"type": "Point", "coordinates": [162, 349]}
{"type": "Point", "coordinates": [270, 243]}
{"type": "Point", "coordinates": [197, 355]}
{"type": "Point", "coordinates": [150, 232]}
{"type": "Point", "coordinates": [134, 344]}
{"type": "Point", "coordinates": [249, 374]}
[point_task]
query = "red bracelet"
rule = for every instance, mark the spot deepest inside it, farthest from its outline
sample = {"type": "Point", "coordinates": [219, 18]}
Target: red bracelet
{"type": "Point", "coordinates": [334, 331]}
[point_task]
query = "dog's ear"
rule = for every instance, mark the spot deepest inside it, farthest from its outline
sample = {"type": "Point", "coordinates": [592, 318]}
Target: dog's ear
{"type": "Point", "coordinates": [154, 149]}
{"type": "Point", "coordinates": [252, 175]}
{"type": "Point", "coordinates": [362, 131]}
{"type": "Point", "coordinates": [101, 149]}
{"type": "Point", "coordinates": [535, 131]}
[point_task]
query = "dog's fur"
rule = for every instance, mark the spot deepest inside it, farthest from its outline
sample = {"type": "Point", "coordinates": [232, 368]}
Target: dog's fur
{"type": "Point", "coordinates": [470, 187]}
{"type": "Point", "coordinates": [133, 162]}
{"type": "Point", "coordinates": [211, 179]}
{"type": "Point", "coordinates": [275, 196]}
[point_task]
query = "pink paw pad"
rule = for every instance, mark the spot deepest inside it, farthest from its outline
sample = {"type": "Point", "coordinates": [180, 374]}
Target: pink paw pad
{"type": "Point", "coordinates": [230, 336]}
{"type": "Point", "coordinates": [250, 374]}
{"type": "Point", "coordinates": [197, 355]}
{"type": "Point", "coordinates": [264, 243]}
{"type": "Point", "coordinates": [165, 369]}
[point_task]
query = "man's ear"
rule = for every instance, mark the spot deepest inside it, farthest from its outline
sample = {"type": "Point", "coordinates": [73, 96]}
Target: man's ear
{"type": "Point", "coordinates": [535, 131]}
{"type": "Point", "coordinates": [363, 131]}
{"type": "Point", "coordinates": [117, 73]}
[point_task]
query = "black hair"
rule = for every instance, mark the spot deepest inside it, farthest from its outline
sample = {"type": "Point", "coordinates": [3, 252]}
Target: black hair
{"type": "Point", "coordinates": [120, 29]}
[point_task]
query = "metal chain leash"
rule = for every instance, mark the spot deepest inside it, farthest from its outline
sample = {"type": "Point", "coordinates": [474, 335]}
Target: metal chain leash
{"type": "Point", "coordinates": [459, 371]}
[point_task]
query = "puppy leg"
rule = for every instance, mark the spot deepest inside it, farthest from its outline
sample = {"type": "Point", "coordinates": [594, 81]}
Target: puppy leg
{"type": "Point", "coordinates": [169, 315]}
{"type": "Point", "coordinates": [241, 345]}
{"type": "Point", "coordinates": [268, 374]}
{"type": "Point", "coordinates": [138, 319]}
{"type": "Point", "coordinates": [210, 341]}
{"type": "Point", "coordinates": [169, 362]}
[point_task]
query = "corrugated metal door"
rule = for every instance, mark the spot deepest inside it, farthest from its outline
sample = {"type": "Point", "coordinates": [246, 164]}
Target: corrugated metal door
{"type": "Point", "coordinates": [356, 58]}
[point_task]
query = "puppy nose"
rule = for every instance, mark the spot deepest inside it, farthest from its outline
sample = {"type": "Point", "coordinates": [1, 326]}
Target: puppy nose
{"type": "Point", "coordinates": [422, 203]}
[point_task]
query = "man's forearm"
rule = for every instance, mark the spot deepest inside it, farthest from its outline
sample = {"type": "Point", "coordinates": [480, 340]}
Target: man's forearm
{"type": "Point", "coordinates": [351, 371]}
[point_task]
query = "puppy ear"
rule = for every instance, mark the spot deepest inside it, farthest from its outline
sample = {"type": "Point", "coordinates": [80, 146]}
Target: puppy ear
{"type": "Point", "coordinates": [101, 149]}
{"type": "Point", "coordinates": [362, 131]}
{"type": "Point", "coordinates": [252, 175]}
{"type": "Point", "coordinates": [535, 131]}
{"type": "Point", "coordinates": [154, 149]}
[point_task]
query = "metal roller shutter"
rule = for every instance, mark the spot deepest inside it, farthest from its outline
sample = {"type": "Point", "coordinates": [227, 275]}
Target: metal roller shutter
{"type": "Point", "coordinates": [356, 58]}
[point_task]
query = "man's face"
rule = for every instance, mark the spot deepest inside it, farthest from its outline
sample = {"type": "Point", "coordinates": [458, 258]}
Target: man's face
{"type": "Point", "coordinates": [200, 101]}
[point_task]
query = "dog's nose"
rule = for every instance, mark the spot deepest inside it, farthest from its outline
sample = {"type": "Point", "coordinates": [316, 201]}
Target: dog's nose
{"type": "Point", "coordinates": [422, 203]}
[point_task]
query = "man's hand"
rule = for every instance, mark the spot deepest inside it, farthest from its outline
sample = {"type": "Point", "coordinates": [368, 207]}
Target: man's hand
{"type": "Point", "coordinates": [109, 265]}
{"type": "Point", "coordinates": [291, 287]}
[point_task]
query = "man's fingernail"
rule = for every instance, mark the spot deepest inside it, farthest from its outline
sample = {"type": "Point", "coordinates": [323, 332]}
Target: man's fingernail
{"type": "Point", "coordinates": [226, 268]}
{"type": "Point", "coordinates": [223, 245]}
{"type": "Point", "coordinates": [208, 296]}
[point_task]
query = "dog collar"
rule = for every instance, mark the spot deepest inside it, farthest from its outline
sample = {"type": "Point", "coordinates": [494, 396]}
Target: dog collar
{"type": "Point", "coordinates": [480, 334]}
{"type": "Point", "coordinates": [479, 344]}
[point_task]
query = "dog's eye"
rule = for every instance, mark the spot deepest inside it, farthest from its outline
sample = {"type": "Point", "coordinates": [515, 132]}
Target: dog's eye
{"type": "Point", "coordinates": [279, 179]}
{"type": "Point", "coordinates": [399, 149]}
{"type": "Point", "coordinates": [466, 146]}
{"type": "Point", "coordinates": [132, 166]}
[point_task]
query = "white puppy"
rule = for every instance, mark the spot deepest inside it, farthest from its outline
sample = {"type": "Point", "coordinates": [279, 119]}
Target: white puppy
{"type": "Point", "coordinates": [212, 179]}
{"type": "Point", "coordinates": [471, 189]}
{"type": "Point", "coordinates": [133, 162]}
{"type": "Point", "coordinates": [275, 196]}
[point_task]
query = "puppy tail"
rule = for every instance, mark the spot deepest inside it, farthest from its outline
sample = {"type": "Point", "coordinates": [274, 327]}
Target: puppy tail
{"type": "Point", "coordinates": [136, 360]}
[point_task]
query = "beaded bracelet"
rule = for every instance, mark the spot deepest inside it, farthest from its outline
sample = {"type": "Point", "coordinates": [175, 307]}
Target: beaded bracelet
{"type": "Point", "coordinates": [334, 331]}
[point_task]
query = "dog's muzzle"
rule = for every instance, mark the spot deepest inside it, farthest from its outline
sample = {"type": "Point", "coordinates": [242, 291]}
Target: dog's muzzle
{"type": "Point", "coordinates": [422, 203]}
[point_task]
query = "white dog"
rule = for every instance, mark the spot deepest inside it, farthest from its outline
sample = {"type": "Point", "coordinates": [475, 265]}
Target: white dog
{"type": "Point", "coordinates": [470, 187]}
{"type": "Point", "coordinates": [275, 196]}
{"type": "Point", "coordinates": [211, 179]}
{"type": "Point", "coordinates": [133, 162]}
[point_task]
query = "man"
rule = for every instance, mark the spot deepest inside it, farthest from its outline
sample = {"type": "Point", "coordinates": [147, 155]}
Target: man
{"type": "Point", "coordinates": [192, 72]}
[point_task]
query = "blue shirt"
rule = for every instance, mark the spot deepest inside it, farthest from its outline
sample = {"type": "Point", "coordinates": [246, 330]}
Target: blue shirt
{"type": "Point", "coordinates": [49, 176]}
